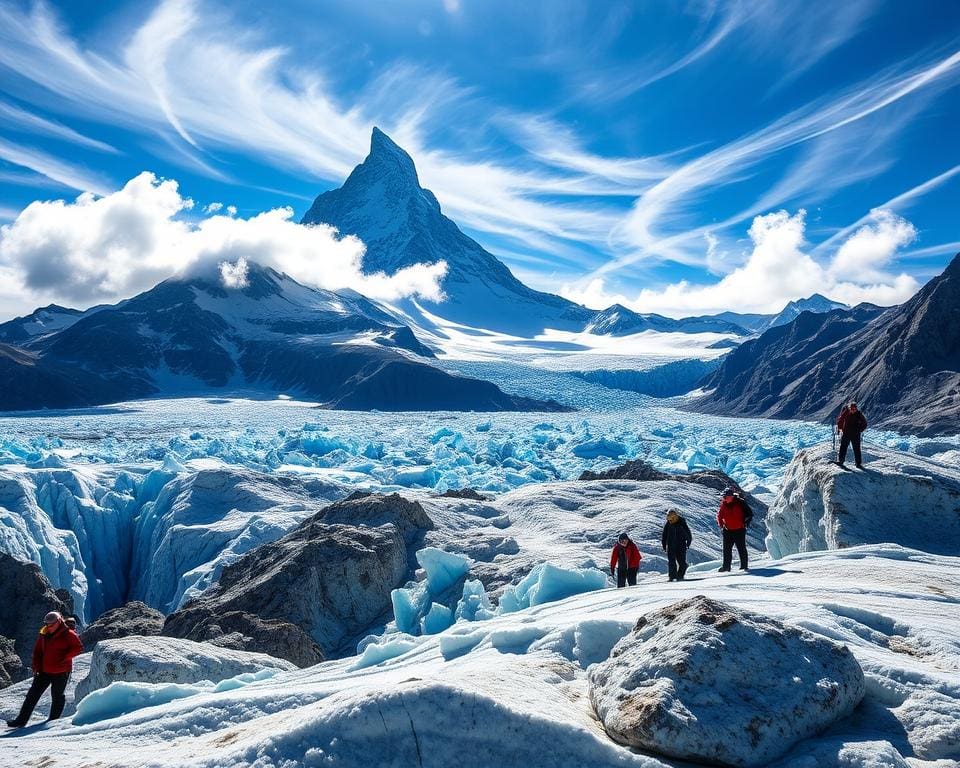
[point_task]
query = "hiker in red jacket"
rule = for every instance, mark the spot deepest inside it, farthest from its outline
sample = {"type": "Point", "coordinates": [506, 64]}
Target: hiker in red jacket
{"type": "Point", "coordinates": [851, 424]}
{"type": "Point", "coordinates": [733, 518]}
{"type": "Point", "coordinates": [625, 561]}
{"type": "Point", "coordinates": [53, 655]}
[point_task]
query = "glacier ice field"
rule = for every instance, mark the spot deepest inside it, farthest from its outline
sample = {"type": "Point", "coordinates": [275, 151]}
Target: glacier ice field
{"type": "Point", "coordinates": [491, 452]}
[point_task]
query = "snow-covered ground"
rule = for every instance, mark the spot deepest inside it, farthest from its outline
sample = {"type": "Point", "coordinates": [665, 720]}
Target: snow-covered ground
{"type": "Point", "coordinates": [516, 694]}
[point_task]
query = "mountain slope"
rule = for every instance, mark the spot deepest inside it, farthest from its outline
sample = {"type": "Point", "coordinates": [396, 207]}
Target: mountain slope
{"type": "Point", "coordinates": [401, 224]}
{"type": "Point", "coordinates": [901, 364]}
{"type": "Point", "coordinates": [273, 335]}
{"type": "Point", "coordinates": [40, 322]}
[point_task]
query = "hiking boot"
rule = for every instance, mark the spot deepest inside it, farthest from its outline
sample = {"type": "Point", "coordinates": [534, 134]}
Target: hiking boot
{"type": "Point", "coordinates": [15, 724]}
{"type": "Point", "coordinates": [744, 568]}
{"type": "Point", "coordinates": [859, 466]}
{"type": "Point", "coordinates": [724, 569]}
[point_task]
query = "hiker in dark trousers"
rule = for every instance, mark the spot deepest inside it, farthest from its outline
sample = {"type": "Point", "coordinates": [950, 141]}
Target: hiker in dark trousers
{"type": "Point", "coordinates": [851, 424]}
{"type": "Point", "coordinates": [625, 561]}
{"type": "Point", "coordinates": [733, 518]}
{"type": "Point", "coordinates": [52, 663]}
{"type": "Point", "coordinates": [676, 538]}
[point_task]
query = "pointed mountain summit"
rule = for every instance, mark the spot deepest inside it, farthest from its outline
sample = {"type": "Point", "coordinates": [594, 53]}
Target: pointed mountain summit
{"type": "Point", "coordinates": [401, 224]}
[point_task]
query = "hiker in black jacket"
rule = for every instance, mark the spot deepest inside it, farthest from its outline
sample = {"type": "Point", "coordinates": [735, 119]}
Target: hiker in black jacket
{"type": "Point", "coordinates": [675, 540]}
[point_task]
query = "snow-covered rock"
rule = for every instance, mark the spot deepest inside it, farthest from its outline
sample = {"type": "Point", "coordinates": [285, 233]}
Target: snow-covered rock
{"type": "Point", "coordinates": [169, 660]}
{"type": "Point", "coordinates": [25, 597]}
{"type": "Point", "coordinates": [702, 680]}
{"type": "Point", "coordinates": [900, 498]}
{"type": "Point", "coordinates": [133, 618]}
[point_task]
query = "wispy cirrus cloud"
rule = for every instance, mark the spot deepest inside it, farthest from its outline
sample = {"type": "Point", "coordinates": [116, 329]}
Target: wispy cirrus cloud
{"type": "Point", "coordinates": [217, 87]}
{"type": "Point", "coordinates": [61, 171]}
{"type": "Point", "coordinates": [666, 205]}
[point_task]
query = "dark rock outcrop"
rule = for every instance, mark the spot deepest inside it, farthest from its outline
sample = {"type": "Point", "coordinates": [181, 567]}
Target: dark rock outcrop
{"type": "Point", "coordinates": [11, 665]}
{"type": "Point", "coordinates": [25, 597]}
{"type": "Point", "coordinates": [246, 632]}
{"type": "Point", "coordinates": [133, 618]}
{"type": "Point", "coordinates": [331, 576]}
{"type": "Point", "coordinates": [902, 365]}
{"type": "Point", "coordinates": [463, 493]}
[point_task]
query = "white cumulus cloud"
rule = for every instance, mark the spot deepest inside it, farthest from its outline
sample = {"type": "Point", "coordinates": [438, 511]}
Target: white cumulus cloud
{"type": "Point", "coordinates": [779, 269]}
{"type": "Point", "coordinates": [97, 249]}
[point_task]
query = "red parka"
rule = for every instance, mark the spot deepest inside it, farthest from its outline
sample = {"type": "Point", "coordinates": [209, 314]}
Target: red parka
{"type": "Point", "coordinates": [733, 515]}
{"type": "Point", "coordinates": [633, 555]}
{"type": "Point", "coordinates": [55, 648]}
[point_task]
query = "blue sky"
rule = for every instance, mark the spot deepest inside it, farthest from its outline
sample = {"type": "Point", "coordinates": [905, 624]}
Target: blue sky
{"type": "Point", "coordinates": [677, 157]}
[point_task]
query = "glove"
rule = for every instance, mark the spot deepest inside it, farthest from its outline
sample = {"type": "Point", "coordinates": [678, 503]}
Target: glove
{"type": "Point", "coordinates": [612, 571]}
{"type": "Point", "coordinates": [664, 548]}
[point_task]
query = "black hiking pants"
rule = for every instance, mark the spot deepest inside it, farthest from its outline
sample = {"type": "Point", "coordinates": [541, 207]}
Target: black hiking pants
{"type": "Point", "coordinates": [677, 562]}
{"type": "Point", "coordinates": [627, 576]}
{"type": "Point", "coordinates": [41, 681]}
{"type": "Point", "coordinates": [846, 440]}
{"type": "Point", "coordinates": [738, 538]}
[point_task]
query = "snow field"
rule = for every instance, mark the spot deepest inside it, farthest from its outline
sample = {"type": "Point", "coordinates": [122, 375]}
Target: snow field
{"type": "Point", "coordinates": [521, 688]}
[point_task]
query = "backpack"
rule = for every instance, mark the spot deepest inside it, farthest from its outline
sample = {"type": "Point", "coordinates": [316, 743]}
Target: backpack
{"type": "Point", "coordinates": [747, 512]}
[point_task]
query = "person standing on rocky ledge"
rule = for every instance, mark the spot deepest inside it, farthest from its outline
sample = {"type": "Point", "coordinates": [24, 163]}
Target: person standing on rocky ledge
{"type": "Point", "coordinates": [625, 561]}
{"type": "Point", "coordinates": [52, 664]}
{"type": "Point", "coordinates": [851, 424]}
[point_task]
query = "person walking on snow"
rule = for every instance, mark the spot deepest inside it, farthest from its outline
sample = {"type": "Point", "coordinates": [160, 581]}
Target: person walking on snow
{"type": "Point", "coordinates": [53, 655]}
{"type": "Point", "coordinates": [851, 424]}
{"type": "Point", "coordinates": [625, 561]}
{"type": "Point", "coordinates": [733, 518]}
{"type": "Point", "coordinates": [676, 538]}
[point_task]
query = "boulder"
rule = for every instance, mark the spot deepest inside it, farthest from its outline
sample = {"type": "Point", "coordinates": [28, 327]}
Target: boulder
{"type": "Point", "coordinates": [133, 618]}
{"type": "Point", "coordinates": [899, 498]}
{"type": "Point", "coordinates": [331, 576]}
{"type": "Point", "coordinates": [11, 665]}
{"type": "Point", "coordinates": [701, 680]}
{"type": "Point", "coordinates": [169, 660]}
{"type": "Point", "coordinates": [25, 597]}
{"type": "Point", "coordinates": [246, 632]}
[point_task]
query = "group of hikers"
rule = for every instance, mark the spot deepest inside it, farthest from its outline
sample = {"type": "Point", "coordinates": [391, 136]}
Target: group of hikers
{"type": "Point", "coordinates": [733, 518]}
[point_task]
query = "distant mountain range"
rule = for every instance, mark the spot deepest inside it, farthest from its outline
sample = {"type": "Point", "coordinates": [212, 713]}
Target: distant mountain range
{"type": "Point", "coordinates": [277, 336]}
{"type": "Point", "coordinates": [902, 364]}
{"type": "Point", "coordinates": [401, 224]}
{"type": "Point", "coordinates": [274, 335]}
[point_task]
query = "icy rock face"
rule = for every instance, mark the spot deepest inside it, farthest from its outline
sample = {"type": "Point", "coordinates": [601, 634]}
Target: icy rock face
{"type": "Point", "coordinates": [169, 660]}
{"type": "Point", "coordinates": [246, 632]}
{"type": "Point", "coordinates": [25, 597]}
{"type": "Point", "coordinates": [209, 519]}
{"type": "Point", "coordinates": [331, 579]}
{"type": "Point", "coordinates": [901, 498]}
{"type": "Point", "coordinates": [133, 618]}
{"type": "Point", "coordinates": [701, 680]}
